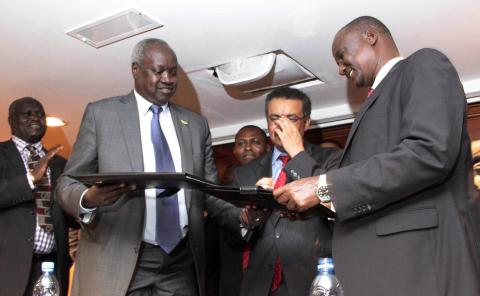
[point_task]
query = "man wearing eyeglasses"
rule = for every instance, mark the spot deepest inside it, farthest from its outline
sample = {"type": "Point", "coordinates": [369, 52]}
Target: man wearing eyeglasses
{"type": "Point", "coordinates": [282, 253]}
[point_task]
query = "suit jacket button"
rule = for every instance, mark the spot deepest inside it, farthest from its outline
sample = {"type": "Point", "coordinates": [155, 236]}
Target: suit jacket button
{"type": "Point", "coordinates": [30, 239]}
{"type": "Point", "coordinates": [277, 235]}
{"type": "Point", "coordinates": [32, 212]}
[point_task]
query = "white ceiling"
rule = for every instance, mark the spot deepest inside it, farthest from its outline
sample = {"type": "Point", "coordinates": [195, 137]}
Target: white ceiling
{"type": "Point", "coordinates": [38, 59]}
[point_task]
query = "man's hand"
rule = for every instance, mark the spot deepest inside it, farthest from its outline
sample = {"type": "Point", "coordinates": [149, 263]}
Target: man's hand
{"type": "Point", "coordinates": [299, 195]}
{"type": "Point", "coordinates": [100, 196]}
{"type": "Point", "coordinates": [39, 171]}
{"type": "Point", "coordinates": [265, 183]}
{"type": "Point", "coordinates": [253, 217]}
{"type": "Point", "coordinates": [292, 140]}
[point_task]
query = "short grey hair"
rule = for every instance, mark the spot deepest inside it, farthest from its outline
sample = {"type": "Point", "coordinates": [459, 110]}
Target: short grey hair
{"type": "Point", "coordinates": [138, 53]}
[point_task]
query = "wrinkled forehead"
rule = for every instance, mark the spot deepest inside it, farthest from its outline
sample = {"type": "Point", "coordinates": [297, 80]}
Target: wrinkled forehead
{"type": "Point", "coordinates": [160, 52]}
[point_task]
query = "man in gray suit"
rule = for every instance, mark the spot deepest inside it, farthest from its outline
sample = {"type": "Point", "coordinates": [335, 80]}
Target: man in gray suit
{"type": "Point", "coordinates": [282, 254]}
{"type": "Point", "coordinates": [402, 191]}
{"type": "Point", "coordinates": [125, 248]}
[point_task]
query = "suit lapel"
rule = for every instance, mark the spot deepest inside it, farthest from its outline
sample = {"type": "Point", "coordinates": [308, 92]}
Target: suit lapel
{"type": "Point", "coordinates": [366, 105]}
{"type": "Point", "coordinates": [14, 157]}
{"type": "Point", "coordinates": [266, 170]}
{"type": "Point", "coordinates": [130, 126]}
{"type": "Point", "coordinates": [264, 167]}
{"type": "Point", "coordinates": [182, 128]}
{"type": "Point", "coordinates": [370, 100]}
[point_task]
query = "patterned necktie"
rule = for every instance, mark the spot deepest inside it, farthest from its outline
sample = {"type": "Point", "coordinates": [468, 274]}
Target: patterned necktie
{"type": "Point", "coordinates": [370, 92]}
{"type": "Point", "coordinates": [42, 193]}
{"type": "Point", "coordinates": [281, 180]}
{"type": "Point", "coordinates": [168, 233]}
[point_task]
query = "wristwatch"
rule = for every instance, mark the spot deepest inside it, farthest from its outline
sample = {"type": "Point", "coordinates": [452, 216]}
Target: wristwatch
{"type": "Point", "coordinates": [322, 190]}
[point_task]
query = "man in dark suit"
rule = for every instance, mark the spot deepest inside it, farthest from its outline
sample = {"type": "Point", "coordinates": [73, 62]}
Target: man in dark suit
{"type": "Point", "coordinates": [124, 247]}
{"type": "Point", "coordinates": [283, 253]}
{"type": "Point", "coordinates": [250, 143]}
{"type": "Point", "coordinates": [27, 237]}
{"type": "Point", "coordinates": [401, 194]}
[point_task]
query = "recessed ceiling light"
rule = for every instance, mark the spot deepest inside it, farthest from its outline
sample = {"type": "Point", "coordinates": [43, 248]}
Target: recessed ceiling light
{"type": "Point", "coordinates": [114, 28]}
{"type": "Point", "coordinates": [55, 121]}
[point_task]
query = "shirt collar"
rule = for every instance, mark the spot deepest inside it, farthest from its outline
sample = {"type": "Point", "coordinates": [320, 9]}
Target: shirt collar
{"type": "Point", "coordinates": [143, 104]}
{"type": "Point", "coordinates": [21, 144]}
{"type": "Point", "coordinates": [384, 70]}
{"type": "Point", "coordinates": [276, 154]}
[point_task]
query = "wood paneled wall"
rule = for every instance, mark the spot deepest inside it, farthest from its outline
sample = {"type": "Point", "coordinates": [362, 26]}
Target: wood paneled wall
{"type": "Point", "coordinates": [338, 134]}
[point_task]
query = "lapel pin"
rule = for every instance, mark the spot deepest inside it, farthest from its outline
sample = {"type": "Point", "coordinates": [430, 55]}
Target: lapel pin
{"type": "Point", "coordinates": [184, 121]}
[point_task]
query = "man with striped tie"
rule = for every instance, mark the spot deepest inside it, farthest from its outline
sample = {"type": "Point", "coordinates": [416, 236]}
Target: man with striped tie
{"type": "Point", "coordinates": [33, 227]}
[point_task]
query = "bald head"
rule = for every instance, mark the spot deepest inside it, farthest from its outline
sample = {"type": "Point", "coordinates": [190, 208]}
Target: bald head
{"type": "Point", "coordinates": [361, 48]}
{"type": "Point", "coordinates": [364, 23]}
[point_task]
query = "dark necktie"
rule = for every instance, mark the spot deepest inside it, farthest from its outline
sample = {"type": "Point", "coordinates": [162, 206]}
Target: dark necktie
{"type": "Point", "coordinates": [42, 192]}
{"type": "Point", "coordinates": [281, 180]}
{"type": "Point", "coordinates": [168, 233]}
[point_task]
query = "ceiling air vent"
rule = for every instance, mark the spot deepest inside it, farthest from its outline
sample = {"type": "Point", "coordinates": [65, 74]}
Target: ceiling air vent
{"type": "Point", "coordinates": [114, 28]}
{"type": "Point", "coordinates": [265, 72]}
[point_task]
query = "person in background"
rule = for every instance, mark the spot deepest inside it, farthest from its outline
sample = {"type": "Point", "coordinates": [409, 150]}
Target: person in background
{"type": "Point", "coordinates": [133, 242]}
{"type": "Point", "coordinates": [476, 162]}
{"type": "Point", "coordinates": [34, 228]}
{"type": "Point", "coordinates": [250, 143]}
{"type": "Point", "coordinates": [402, 192]}
{"type": "Point", "coordinates": [282, 254]}
{"type": "Point", "coordinates": [329, 144]}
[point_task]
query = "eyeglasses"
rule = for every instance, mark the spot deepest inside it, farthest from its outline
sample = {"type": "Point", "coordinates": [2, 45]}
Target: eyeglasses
{"type": "Point", "coordinates": [292, 117]}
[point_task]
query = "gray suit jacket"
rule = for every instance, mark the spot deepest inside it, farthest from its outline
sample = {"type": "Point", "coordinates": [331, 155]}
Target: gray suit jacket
{"type": "Point", "coordinates": [402, 190]}
{"type": "Point", "coordinates": [298, 243]}
{"type": "Point", "coordinates": [109, 141]}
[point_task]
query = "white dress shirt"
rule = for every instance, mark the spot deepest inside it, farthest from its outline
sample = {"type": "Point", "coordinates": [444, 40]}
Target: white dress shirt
{"type": "Point", "coordinates": [166, 122]}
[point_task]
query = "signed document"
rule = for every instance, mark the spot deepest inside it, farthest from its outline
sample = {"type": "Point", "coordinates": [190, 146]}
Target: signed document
{"type": "Point", "coordinates": [172, 182]}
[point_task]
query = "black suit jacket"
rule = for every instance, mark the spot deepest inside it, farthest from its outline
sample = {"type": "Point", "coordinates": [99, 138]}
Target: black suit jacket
{"type": "Point", "coordinates": [18, 221]}
{"type": "Point", "coordinates": [402, 190]}
{"type": "Point", "coordinates": [298, 243]}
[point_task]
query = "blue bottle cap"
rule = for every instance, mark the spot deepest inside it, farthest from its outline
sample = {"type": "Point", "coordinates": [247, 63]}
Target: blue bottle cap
{"type": "Point", "coordinates": [325, 265]}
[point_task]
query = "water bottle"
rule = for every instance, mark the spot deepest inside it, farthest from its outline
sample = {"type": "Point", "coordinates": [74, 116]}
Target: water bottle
{"type": "Point", "coordinates": [326, 283]}
{"type": "Point", "coordinates": [47, 284]}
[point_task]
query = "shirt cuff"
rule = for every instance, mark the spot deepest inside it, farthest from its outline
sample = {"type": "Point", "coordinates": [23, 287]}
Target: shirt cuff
{"type": "Point", "coordinates": [86, 215]}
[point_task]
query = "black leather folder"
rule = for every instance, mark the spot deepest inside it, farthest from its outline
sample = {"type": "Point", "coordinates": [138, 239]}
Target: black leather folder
{"type": "Point", "coordinates": [172, 182]}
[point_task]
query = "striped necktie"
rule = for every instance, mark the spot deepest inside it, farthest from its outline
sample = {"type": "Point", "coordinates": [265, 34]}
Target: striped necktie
{"type": "Point", "coordinates": [42, 192]}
